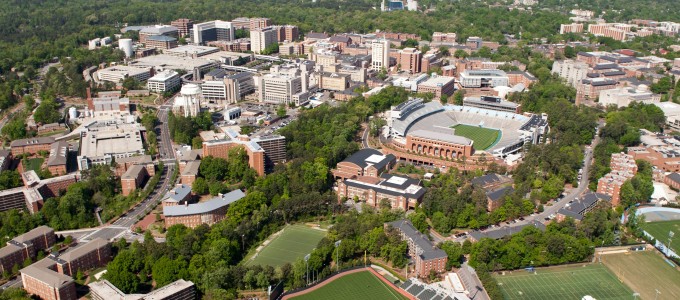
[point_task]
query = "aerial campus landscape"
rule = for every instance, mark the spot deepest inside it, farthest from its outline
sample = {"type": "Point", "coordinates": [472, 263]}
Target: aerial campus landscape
{"type": "Point", "coordinates": [325, 149]}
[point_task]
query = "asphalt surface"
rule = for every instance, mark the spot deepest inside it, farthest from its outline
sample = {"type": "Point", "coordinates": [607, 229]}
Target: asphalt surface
{"type": "Point", "coordinates": [364, 138]}
{"type": "Point", "coordinates": [552, 209]}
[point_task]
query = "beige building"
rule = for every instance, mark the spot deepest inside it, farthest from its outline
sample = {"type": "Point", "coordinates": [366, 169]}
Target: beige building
{"type": "Point", "coordinates": [571, 70]}
{"type": "Point", "coordinates": [332, 81]}
{"type": "Point", "coordinates": [260, 38]}
{"type": "Point", "coordinates": [380, 54]}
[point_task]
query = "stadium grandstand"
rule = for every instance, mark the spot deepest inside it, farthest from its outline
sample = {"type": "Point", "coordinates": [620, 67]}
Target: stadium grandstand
{"type": "Point", "coordinates": [430, 129]}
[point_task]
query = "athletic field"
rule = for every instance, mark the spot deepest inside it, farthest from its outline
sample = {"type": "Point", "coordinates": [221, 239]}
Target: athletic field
{"type": "Point", "coordinates": [645, 272]}
{"type": "Point", "coordinates": [659, 230]}
{"type": "Point", "coordinates": [360, 285]}
{"type": "Point", "coordinates": [285, 247]}
{"type": "Point", "coordinates": [563, 282]}
{"type": "Point", "coordinates": [483, 137]}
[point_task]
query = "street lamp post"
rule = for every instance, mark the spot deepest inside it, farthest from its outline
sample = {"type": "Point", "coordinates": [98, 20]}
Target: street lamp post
{"type": "Point", "coordinates": [337, 255]}
{"type": "Point", "coordinates": [307, 266]}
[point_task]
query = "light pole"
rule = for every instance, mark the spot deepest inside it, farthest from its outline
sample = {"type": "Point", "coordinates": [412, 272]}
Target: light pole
{"type": "Point", "coordinates": [657, 294]}
{"type": "Point", "coordinates": [243, 244]}
{"type": "Point", "coordinates": [307, 266]}
{"type": "Point", "coordinates": [337, 255]}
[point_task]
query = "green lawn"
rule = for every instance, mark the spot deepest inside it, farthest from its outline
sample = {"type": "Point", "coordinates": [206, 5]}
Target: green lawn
{"type": "Point", "coordinates": [659, 230]}
{"type": "Point", "coordinates": [645, 272]}
{"type": "Point", "coordinates": [34, 164]}
{"type": "Point", "coordinates": [483, 138]}
{"type": "Point", "coordinates": [360, 285]}
{"type": "Point", "coordinates": [563, 282]}
{"type": "Point", "coordinates": [294, 242]}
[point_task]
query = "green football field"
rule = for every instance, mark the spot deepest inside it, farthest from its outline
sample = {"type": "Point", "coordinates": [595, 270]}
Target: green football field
{"type": "Point", "coordinates": [294, 242]}
{"type": "Point", "coordinates": [563, 282]}
{"type": "Point", "coordinates": [660, 230]}
{"type": "Point", "coordinates": [483, 138]}
{"type": "Point", "coordinates": [645, 272]}
{"type": "Point", "coordinates": [360, 285]}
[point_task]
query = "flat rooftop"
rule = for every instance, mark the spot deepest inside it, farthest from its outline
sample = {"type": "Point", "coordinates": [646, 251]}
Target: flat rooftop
{"type": "Point", "coordinates": [190, 50]}
{"type": "Point", "coordinates": [111, 139]}
{"type": "Point", "coordinates": [165, 62]}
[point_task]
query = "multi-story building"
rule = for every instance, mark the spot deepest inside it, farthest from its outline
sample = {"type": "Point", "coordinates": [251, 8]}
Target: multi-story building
{"type": "Point", "coordinates": [589, 89]}
{"type": "Point", "coordinates": [179, 195]}
{"type": "Point", "coordinates": [572, 71]}
{"type": "Point", "coordinates": [133, 179]}
{"type": "Point", "coordinates": [622, 97]}
{"type": "Point", "coordinates": [25, 246]}
{"type": "Point", "coordinates": [616, 31]}
{"type": "Point", "coordinates": [184, 26]}
{"type": "Point", "coordinates": [5, 159]}
{"type": "Point", "coordinates": [284, 85]}
{"type": "Point", "coordinates": [399, 191]}
{"type": "Point", "coordinates": [260, 38]}
{"type": "Point", "coordinates": [444, 37]}
{"type": "Point", "coordinates": [274, 147]}
{"type": "Point", "coordinates": [380, 54]}
{"type": "Point", "coordinates": [220, 148]}
{"type": "Point", "coordinates": [216, 30]}
{"type": "Point", "coordinates": [178, 290]}
{"type": "Point", "coordinates": [409, 59]}
{"type": "Point", "coordinates": [238, 45]}
{"type": "Point", "coordinates": [189, 172]}
{"type": "Point", "coordinates": [94, 254]}
{"type": "Point", "coordinates": [208, 212]}
{"type": "Point", "coordinates": [161, 42]}
{"type": "Point", "coordinates": [332, 81]}
{"type": "Point", "coordinates": [483, 78]}
{"type": "Point", "coordinates": [117, 74]}
{"type": "Point", "coordinates": [241, 23]}
{"type": "Point", "coordinates": [521, 77]}
{"type": "Point", "coordinates": [255, 23]}
{"type": "Point", "coordinates": [623, 167]}
{"type": "Point", "coordinates": [438, 85]}
{"type": "Point", "coordinates": [157, 30]}
{"type": "Point", "coordinates": [163, 81]}
{"type": "Point", "coordinates": [58, 159]}
{"type": "Point", "coordinates": [577, 209]}
{"type": "Point", "coordinates": [493, 103]}
{"type": "Point", "coordinates": [230, 89]}
{"type": "Point", "coordinates": [31, 145]}
{"type": "Point", "coordinates": [125, 163]}
{"type": "Point", "coordinates": [39, 280]}
{"type": "Point", "coordinates": [101, 142]}
{"type": "Point", "coordinates": [288, 33]}
{"type": "Point", "coordinates": [426, 256]}
{"type": "Point", "coordinates": [474, 42]}
{"type": "Point", "coordinates": [571, 28]}
{"type": "Point", "coordinates": [363, 163]}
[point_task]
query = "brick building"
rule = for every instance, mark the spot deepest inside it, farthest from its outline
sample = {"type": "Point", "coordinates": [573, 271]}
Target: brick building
{"type": "Point", "coordinates": [662, 157]}
{"type": "Point", "coordinates": [255, 23]}
{"type": "Point", "coordinates": [48, 284]}
{"type": "Point", "coordinates": [409, 59]}
{"type": "Point", "coordinates": [189, 172]}
{"type": "Point", "coordinates": [577, 209]}
{"type": "Point", "coordinates": [94, 254]}
{"type": "Point", "coordinates": [25, 246]}
{"type": "Point", "coordinates": [400, 191]}
{"type": "Point", "coordinates": [179, 195]}
{"type": "Point", "coordinates": [125, 163]}
{"type": "Point", "coordinates": [589, 89]}
{"type": "Point", "coordinates": [161, 42]}
{"type": "Point", "coordinates": [184, 26]}
{"type": "Point", "coordinates": [31, 145]}
{"type": "Point", "coordinates": [623, 167]}
{"type": "Point", "coordinates": [208, 212]}
{"type": "Point", "coordinates": [438, 85]}
{"type": "Point", "coordinates": [363, 163]}
{"type": "Point", "coordinates": [133, 178]}
{"type": "Point", "coordinates": [438, 144]}
{"type": "Point", "coordinates": [425, 255]}
{"type": "Point", "coordinates": [58, 159]}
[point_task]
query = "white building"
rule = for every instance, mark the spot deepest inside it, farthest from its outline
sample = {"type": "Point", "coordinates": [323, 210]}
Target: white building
{"type": "Point", "coordinates": [163, 81]}
{"type": "Point", "coordinates": [260, 38]}
{"type": "Point", "coordinates": [231, 89]}
{"type": "Point", "coordinates": [483, 78]}
{"type": "Point", "coordinates": [188, 103]}
{"type": "Point", "coordinates": [571, 70]}
{"type": "Point", "coordinates": [380, 54]}
{"type": "Point", "coordinates": [117, 74]}
{"type": "Point", "coordinates": [672, 112]}
{"type": "Point", "coordinates": [103, 141]}
{"type": "Point", "coordinates": [623, 97]}
{"type": "Point", "coordinates": [212, 31]}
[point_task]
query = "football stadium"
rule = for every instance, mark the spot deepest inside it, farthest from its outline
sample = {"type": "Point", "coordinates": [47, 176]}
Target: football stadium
{"type": "Point", "coordinates": [452, 131]}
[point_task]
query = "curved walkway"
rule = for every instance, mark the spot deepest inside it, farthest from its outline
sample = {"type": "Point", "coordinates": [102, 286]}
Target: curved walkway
{"type": "Point", "coordinates": [339, 275]}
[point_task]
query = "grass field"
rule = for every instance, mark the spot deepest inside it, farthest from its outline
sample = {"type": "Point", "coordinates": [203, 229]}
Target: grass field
{"type": "Point", "coordinates": [645, 271]}
{"type": "Point", "coordinates": [659, 230]}
{"type": "Point", "coordinates": [563, 282]}
{"type": "Point", "coordinates": [360, 285]}
{"type": "Point", "coordinates": [34, 164]}
{"type": "Point", "coordinates": [294, 242]}
{"type": "Point", "coordinates": [483, 137]}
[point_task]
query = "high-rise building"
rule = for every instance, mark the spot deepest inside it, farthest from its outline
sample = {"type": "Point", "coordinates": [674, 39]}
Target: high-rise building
{"type": "Point", "coordinates": [260, 38]}
{"type": "Point", "coordinates": [408, 59]}
{"type": "Point", "coordinates": [380, 54]}
{"type": "Point", "coordinates": [213, 31]}
{"type": "Point", "coordinates": [287, 33]}
{"type": "Point", "coordinates": [256, 23]}
{"type": "Point", "coordinates": [571, 70]}
{"type": "Point", "coordinates": [184, 26]}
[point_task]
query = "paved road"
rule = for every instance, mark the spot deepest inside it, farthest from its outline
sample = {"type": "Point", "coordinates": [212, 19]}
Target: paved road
{"type": "Point", "coordinates": [123, 225]}
{"type": "Point", "coordinates": [364, 138]}
{"type": "Point", "coordinates": [549, 210]}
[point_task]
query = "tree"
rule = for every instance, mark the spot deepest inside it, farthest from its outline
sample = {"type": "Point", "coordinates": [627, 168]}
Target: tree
{"type": "Point", "coordinates": [47, 112]}
{"type": "Point", "coordinates": [385, 203]}
{"type": "Point", "coordinates": [419, 222]}
{"type": "Point", "coordinates": [460, 54]}
{"type": "Point", "coordinates": [200, 186]}
{"type": "Point", "coordinates": [121, 272]}
{"type": "Point", "coordinates": [281, 111]}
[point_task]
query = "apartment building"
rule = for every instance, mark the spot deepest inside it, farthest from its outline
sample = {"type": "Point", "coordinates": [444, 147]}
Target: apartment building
{"type": "Point", "coordinates": [380, 54]}
{"type": "Point", "coordinates": [93, 254]}
{"type": "Point", "coordinates": [125, 163]}
{"type": "Point", "coordinates": [616, 31]}
{"type": "Point", "coordinates": [184, 26]}
{"type": "Point", "coordinates": [26, 246]}
{"type": "Point", "coordinates": [177, 290]}
{"type": "Point", "coordinates": [163, 81]}
{"type": "Point", "coordinates": [58, 159]}
{"type": "Point", "coordinates": [426, 256]}
{"type": "Point", "coordinates": [577, 209]}
{"type": "Point", "coordinates": [255, 23]}
{"type": "Point", "coordinates": [571, 70]}
{"type": "Point", "coordinates": [260, 38]}
{"type": "Point", "coordinates": [208, 212]}
{"type": "Point", "coordinates": [133, 178]}
{"type": "Point", "coordinates": [444, 37]}
{"type": "Point", "coordinates": [409, 59]}
{"type": "Point", "coordinates": [288, 33]}
{"type": "Point", "coordinates": [31, 145]}
{"type": "Point", "coordinates": [47, 284]}
{"type": "Point", "coordinates": [220, 148]}
{"type": "Point", "coordinates": [216, 30]}
{"type": "Point", "coordinates": [571, 28]}
{"type": "Point", "coordinates": [589, 89]}
{"type": "Point", "coordinates": [623, 167]}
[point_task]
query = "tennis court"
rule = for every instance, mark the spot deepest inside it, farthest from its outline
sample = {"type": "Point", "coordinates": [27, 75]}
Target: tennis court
{"type": "Point", "coordinates": [563, 282]}
{"type": "Point", "coordinates": [293, 242]}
